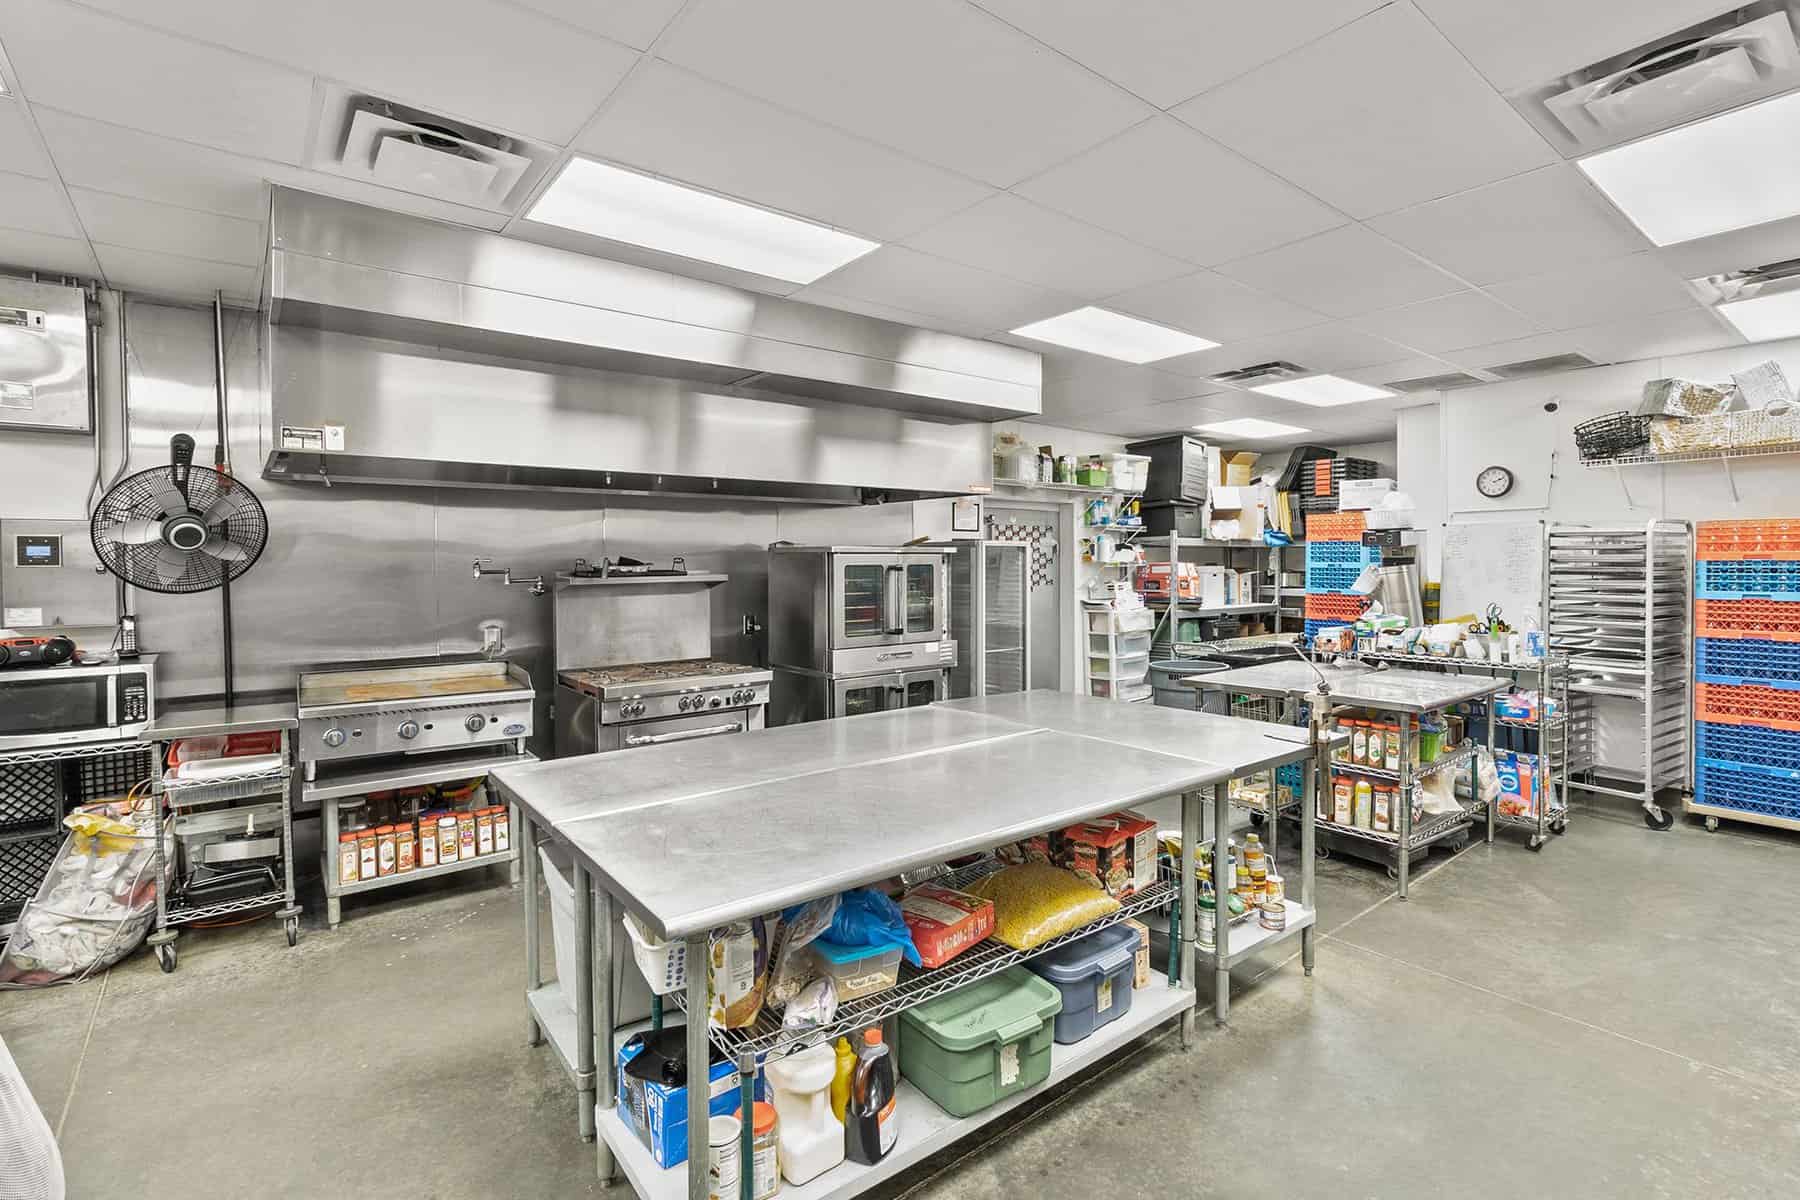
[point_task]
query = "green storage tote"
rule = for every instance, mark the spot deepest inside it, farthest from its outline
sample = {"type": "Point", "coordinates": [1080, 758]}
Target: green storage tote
{"type": "Point", "coordinates": [979, 1044]}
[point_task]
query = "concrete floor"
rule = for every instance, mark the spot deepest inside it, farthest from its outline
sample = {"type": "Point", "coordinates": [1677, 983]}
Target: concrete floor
{"type": "Point", "coordinates": [1616, 1016]}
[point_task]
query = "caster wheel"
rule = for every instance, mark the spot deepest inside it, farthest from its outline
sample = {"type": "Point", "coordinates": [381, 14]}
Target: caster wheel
{"type": "Point", "coordinates": [1658, 818]}
{"type": "Point", "coordinates": [292, 928]}
{"type": "Point", "coordinates": [1393, 873]}
{"type": "Point", "coordinates": [1321, 851]}
{"type": "Point", "coordinates": [166, 956]}
{"type": "Point", "coordinates": [1559, 827]}
{"type": "Point", "coordinates": [1712, 824]}
{"type": "Point", "coordinates": [1535, 844]}
{"type": "Point", "coordinates": [1258, 819]}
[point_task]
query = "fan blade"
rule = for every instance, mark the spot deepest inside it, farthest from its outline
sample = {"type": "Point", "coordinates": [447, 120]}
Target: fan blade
{"type": "Point", "coordinates": [224, 549]}
{"type": "Point", "coordinates": [168, 498]}
{"type": "Point", "coordinates": [224, 507]}
{"type": "Point", "coordinates": [168, 564]}
{"type": "Point", "coordinates": [139, 532]}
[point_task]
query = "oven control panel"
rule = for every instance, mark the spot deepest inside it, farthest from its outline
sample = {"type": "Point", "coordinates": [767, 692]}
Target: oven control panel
{"type": "Point", "coordinates": [685, 703]}
{"type": "Point", "coordinates": [408, 731]}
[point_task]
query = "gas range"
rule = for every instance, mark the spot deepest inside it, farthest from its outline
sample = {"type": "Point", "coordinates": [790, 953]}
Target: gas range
{"type": "Point", "coordinates": [681, 687]}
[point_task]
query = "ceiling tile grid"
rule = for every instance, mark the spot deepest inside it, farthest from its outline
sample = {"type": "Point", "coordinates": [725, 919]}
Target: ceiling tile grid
{"type": "Point", "coordinates": [1338, 183]}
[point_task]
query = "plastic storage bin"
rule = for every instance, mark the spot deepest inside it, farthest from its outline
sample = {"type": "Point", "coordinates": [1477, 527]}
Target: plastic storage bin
{"type": "Point", "coordinates": [1094, 976]}
{"type": "Point", "coordinates": [1179, 517]}
{"type": "Point", "coordinates": [1108, 689]}
{"type": "Point", "coordinates": [1177, 469]}
{"type": "Point", "coordinates": [858, 970]}
{"type": "Point", "coordinates": [1126, 668]}
{"type": "Point", "coordinates": [1120, 620]}
{"type": "Point", "coordinates": [1166, 676]}
{"type": "Point", "coordinates": [1120, 644]}
{"type": "Point", "coordinates": [976, 1046]}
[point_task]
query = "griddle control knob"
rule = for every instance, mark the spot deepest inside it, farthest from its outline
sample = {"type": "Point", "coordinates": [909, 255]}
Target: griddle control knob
{"type": "Point", "coordinates": [409, 730]}
{"type": "Point", "coordinates": [718, 702]}
{"type": "Point", "coordinates": [631, 710]}
{"type": "Point", "coordinates": [474, 722]}
{"type": "Point", "coordinates": [685, 703]}
{"type": "Point", "coordinates": [334, 738]}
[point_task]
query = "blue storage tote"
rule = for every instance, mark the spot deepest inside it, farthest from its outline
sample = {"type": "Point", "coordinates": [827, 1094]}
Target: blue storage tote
{"type": "Point", "coordinates": [1094, 975]}
{"type": "Point", "coordinates": [1334, 566]}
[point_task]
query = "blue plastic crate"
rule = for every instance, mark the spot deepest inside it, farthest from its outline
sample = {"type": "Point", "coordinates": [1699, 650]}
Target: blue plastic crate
{"type": "Point", "coordinates": [1334, 566]}
{"type": "Point", "coordinates": [1752, 745]}
{"type": "Point", "coordinates": [1772, 791]}
{"type": "Point", "coordinates": [1747, 579]}
{"type": "Point", "coordinates": [1313, 627]}
{"type": "Point", "coordinates": [1288, 775]}
{"type": "Point", "coordinates": [1747, 661]}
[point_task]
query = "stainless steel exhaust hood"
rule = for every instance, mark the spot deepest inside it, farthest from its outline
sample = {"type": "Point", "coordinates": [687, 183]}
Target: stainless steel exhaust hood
{"type": "Point", "coordinates": [412, 352]}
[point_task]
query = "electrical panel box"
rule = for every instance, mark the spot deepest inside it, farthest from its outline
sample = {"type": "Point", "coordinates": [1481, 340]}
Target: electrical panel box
{"type": "Point", "coordinates": [44, 357]}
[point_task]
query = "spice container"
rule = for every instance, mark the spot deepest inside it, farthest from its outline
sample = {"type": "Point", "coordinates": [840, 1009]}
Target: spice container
{"type": "Point", "coordinates": [765, 1164]}
{"type": "Point", "coordinates": [1343, 801]}
{"type": "Point", "coordinates": [446, 838]}
{"type": "Point", "coordinates": [484, 831]}
{"type": "Point", "coordinates": [1383, 819]}
{"type": "Point", "coordinates": [365, 854]}
{"type": "Point", "coordinates": [722, 1158]}
{"type": "Point", "coordinates": [465, 836]}
{"type": "Point", "coordinates": [384, 850]}
{"type": "Point", "coordinates": [348, 870]}
{"type": "Point", "coordinates": [428, 847]}
{"type": "Point", "coordinates": [1362, 805]}
{"type": "Point", "coordinates": [1208, 923]}
{"type": "Point", "coordinates": [1276, 890]}
{"type": "Point", "coordinates": [502, 829]}
{"type": "Point", "coordinates": [1359, 744]}
{"type": "Point", "coordinates": [405, 847]}
{"type": "Point", "coordinates": [1392, 737]}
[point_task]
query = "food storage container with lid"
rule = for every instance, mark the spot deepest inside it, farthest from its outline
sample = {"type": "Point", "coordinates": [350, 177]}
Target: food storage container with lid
{"type": "Point", "coordinates": [973, 1047]}
{"type": "Point", "coordinates": [1093, 975]}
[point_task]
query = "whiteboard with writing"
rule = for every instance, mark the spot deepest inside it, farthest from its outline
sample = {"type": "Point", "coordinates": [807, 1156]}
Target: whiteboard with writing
{"type": "Point", "coordinates": [1499, 563]}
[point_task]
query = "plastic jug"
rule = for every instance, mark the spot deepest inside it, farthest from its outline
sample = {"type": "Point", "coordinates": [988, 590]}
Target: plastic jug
{"type": "Point", "coordinates": [811, 1139]}
{"type": "Point", "coordinates": [870, 1124]}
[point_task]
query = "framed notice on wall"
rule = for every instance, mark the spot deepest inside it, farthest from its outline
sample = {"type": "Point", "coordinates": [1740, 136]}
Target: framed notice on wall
{"type": "Point", "coordinates": [965, 515]}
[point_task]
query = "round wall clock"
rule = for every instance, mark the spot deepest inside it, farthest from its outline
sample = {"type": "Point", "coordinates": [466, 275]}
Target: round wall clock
{"type": "Point", "coordinates": [1494, 482]}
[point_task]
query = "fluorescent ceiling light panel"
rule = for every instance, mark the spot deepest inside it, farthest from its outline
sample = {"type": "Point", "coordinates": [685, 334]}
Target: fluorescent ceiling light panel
{"type": "Point", "coordinates": [1114, 335]}
{"type": "Point", "coordinates": [605, 201]}
{"type": "Point", "coordinates": [1250, 427]}
{"type": "Point", "coordinates": [1727, 172]}
{"type": "Point", "coordinates": [1765, 318]}
{"type": "Point", "coordinates": [1322, 391]}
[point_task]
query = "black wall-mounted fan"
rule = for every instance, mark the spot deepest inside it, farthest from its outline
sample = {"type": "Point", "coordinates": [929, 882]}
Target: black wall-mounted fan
{"type": "Point", "coordinates": [179, 528]}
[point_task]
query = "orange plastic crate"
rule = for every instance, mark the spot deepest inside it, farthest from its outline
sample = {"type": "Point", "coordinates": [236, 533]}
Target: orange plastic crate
{"type": "Point", "coordinates": [1322, 477]}
{"type": "Point", "coordinates": [1768, 620]}
{"type": "Point", "coordinates": [1334, 606]}
{"type": "Point", "coordinates": [1776, 538]}
{"type": "Point", "coordinates": [1744, 704]}
{"type": "Point", "coordinates": [1336, 527]}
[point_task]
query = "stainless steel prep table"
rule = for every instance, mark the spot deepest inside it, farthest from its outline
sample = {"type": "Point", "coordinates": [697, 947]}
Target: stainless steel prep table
{"type": "Point", "coordinates": [692, 837]}
{"type": "Point", "coordinates": [1407, 693]}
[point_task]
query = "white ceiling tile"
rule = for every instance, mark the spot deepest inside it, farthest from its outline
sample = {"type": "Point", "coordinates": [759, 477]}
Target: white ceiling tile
{"type": "Point", "coordinates": [1509, 44]}
{"type": "Point", "coordinates": [1169, 50]}
{"type": "Point", "coordinates": [684, 127]}
{"type": "Point", "coordinates": [112, 158]}
{"type": "Point", "coordinates": [1447, 323]}
{"type": "Point", "coordinates": [1516, 350]}
{"type": "Point", "coordinates": [1166, 186]}
{"type": "Point", "coordinates": [1014, 237]}
{"type": "Point", "coordinates": [1179, 416]}
{"type": "Point", "coordinates": [477, 59]}
{"type": "Point", "coordinates": [146, 225]}
{"type": "Point", "coordinates": [170, 275]}
{"type": "Point", "coordinates": [1327, 347]}
{"type": "Point", "coordinates": [1099, 386]}
{"type": "Point", "coordinates": [1343, 273]}
{"type": "Point", "coordinates": [1735, 250]}
{"type": "Point", "coordinates": [1380, 114]}
{"type": "Point", "coordinates": [1635, 286]}
{"type": "Point", "coordinates": [34, 205]}
{"type": "Point", "coordinates": [23, 251]}
{"type": "Point", "coordinates": [935, 78]}
{"type": "Point", "coordinates": [1216, 308]}
{"type": "Point", "coordinates": [634, 22]}
{"type": "Point", "coordinates": [922, 283]}
{"type": "Point", "coordinates": [1419, 366]}
{"type": "Point", "coordinates": [1655, 336]}
{"type": "Point", "coordinates": [81, 61]}
{"type": "Point", "coordinates": [1545, 220]}
{"type": "Point", "coordinates": [19, 150]}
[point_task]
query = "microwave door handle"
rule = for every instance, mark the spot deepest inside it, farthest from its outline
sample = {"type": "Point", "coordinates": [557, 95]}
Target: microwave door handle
{"type": "Point", "coordinates": [896, 600]}
{"type": "Point", "coordinates": [113, 685]}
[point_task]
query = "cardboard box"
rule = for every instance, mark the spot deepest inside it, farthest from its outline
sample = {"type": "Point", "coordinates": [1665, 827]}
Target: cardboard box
{"type": "Point", "coordinates": [944, 922]}
{"type": "Point", "coordinates": [657, 1113]}
{"type": "Point", "coordinates": [1236, 469]}
{"type": "Point", "coordinates": [1142, 976]}
{"type": "Point", "coordinates": [1116, 852]}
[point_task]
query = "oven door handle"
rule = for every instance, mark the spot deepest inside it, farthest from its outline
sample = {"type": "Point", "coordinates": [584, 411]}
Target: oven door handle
{"type": "Point", "coordinates": [681, 735]}
{"type": "Point", "coordinates": [896, 601]}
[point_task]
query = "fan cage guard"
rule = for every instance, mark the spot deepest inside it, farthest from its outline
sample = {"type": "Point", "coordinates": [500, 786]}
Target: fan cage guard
{"type": "Point", "coordinates": [136, 497]}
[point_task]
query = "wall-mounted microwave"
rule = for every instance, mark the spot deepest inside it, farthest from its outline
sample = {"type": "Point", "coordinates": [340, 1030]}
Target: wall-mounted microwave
{"type": "Point", "coordinates": [76, 702]}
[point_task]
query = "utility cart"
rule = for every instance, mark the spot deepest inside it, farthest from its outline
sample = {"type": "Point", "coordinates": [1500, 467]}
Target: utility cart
{"type": "Point", "coordinates": [233, 830]}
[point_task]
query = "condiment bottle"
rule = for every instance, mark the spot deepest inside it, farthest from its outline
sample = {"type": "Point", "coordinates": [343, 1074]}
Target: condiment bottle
{"type": "Point", "coordinates": [871, 1124]}
{"type": "Point", "coordinates": [840, 1082]}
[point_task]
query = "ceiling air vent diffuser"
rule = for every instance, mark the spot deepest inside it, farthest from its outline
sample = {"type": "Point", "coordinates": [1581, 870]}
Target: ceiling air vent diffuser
{"type": "Point", "coordinates": [1542, 366]}
{"type": "Point", "coordinates": [1447, 382]}
{"type": "Point", "coordinates": [1730, 60]}
{"type": "Point", "coordinates": [1269, 372]}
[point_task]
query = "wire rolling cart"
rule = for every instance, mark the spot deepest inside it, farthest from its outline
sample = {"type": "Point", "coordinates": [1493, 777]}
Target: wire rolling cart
{"type": "Point", "coordinates": [1618, 603]}
{"type": "Point", "coordinates": [243, 803]}
{"type": "Point", "coordinates": [38, 788]}
{"type": "Point", "coordinates": [1549, 813]}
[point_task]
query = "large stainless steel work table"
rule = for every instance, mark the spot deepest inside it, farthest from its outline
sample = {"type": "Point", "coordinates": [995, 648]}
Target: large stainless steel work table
{"type": "Point", "coordinates": [691, 836]}
{"type": "Point", "coordinates": [1408, 694]}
